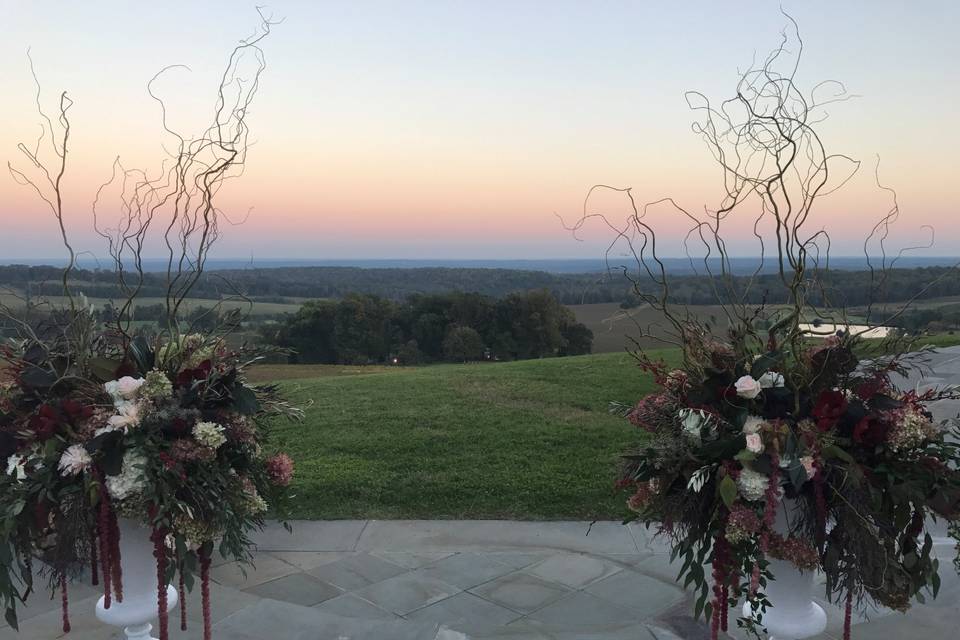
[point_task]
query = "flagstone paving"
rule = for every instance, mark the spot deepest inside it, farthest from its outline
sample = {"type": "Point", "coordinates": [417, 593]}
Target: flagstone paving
{"type": "Point", "coordinates": [476, 580]}
{"type": "Point", "coordinates": [464, 581]}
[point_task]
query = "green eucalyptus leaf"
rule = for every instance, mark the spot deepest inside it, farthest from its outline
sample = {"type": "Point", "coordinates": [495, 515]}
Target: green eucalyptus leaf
{"type": "Point", "coordinates": [728, 490]}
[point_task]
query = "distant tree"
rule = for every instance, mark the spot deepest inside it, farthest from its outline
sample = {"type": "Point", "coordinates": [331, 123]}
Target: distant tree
{"type": "Point", "coordinates": [577, 339]}
{"type": "Point", "coordinates": [463, 344]}
{"type": "Point", "coordinates": [409, 354]}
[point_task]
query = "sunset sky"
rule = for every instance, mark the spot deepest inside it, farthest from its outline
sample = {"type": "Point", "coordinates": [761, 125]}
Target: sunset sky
{"type": "Point", "coordinates": [452, 129]}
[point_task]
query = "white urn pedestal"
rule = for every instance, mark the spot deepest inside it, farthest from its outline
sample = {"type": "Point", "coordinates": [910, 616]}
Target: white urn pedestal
{"type": "Point", "coordinates": [793, 614]}
{"type": "Point", "coordinates": [139, 568]}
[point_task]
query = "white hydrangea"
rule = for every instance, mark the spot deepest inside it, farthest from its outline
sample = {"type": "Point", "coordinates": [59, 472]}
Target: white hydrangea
{"type": "Point", "coordinates": [209, 434]}
{"type": "Point", "coordinates": [74, 460]}
{"type": "Point", "coordinates": [131, 479]}
{"type": "Point", "coordinates": [752, 485]}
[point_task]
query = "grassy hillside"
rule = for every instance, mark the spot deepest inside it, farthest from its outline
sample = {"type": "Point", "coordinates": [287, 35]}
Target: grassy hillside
{"type": "Point", "coordinates": [529, 440]}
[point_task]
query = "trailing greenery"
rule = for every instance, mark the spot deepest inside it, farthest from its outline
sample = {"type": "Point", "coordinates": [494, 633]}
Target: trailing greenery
{"type": "Point", "coordinates": [455, 327]}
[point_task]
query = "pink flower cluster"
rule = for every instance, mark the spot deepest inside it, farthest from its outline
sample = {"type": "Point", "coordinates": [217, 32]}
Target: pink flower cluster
{"type": "Point", "coordinates": [280, 469]}
{"type": "Point", "coordinates": [649, 412]}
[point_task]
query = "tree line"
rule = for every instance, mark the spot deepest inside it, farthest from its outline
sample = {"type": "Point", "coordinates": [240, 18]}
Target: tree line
{"type": "Point", "coordinates": [282, 284]}
{"type": "Point", "coordinates": [451, 327]}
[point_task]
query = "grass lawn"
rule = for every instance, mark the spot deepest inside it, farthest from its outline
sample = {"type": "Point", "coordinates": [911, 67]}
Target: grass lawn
{"type": "Point", "coordinates": [526, 440]}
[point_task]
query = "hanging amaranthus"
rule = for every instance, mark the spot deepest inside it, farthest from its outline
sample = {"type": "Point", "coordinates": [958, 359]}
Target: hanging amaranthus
{"type": "Point", "coordinates": [64, 603]}
{"type": "Point", "coordinates": [158, 536]}
{"type": "Point", "coordinates": [182, 592]}
{"type": "Point", "coordinates": [205, 592]}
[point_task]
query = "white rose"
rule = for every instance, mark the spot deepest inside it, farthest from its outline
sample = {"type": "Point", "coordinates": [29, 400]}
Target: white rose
{"type": "Point", "coordinates": [754, 443]}
{"type": "Point", "coordinates": [807, 462]}
{"type": "Point", "coordinates": [747, 387]}
{"type": "Point", "coordinates": [753, 424]}
{"type": "Point", "coordinates": [126, 388]}
{"type": "Point", "coordinates": [771, 379]}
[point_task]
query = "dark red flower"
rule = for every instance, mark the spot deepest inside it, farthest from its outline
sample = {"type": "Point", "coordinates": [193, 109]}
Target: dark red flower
{"type": "Point", "coordinates": [830, 407]}
{"type": "Point", "coordinates": [868, 389]}
{"type": "Point", "coordinates": [871, 431]}
{"type": "Point", "coordinates": [42, 425]}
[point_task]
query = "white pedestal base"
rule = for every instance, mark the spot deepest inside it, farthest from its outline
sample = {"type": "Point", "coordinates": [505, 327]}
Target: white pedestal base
{"type": "Point", "coordinates": [139, 569]}
{"type": "Point", "coordinates": [793, 615]}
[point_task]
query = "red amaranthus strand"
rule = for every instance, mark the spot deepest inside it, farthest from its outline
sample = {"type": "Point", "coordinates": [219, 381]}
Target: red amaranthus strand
{"type": "Point", "coordinates": [820, 500]}
{"type": "Point", "coordinates": [103, 535]}
{"type": "Point", "coordinates": [720, 561]}
{"type": "Point", "coordinates": [115, 569]}
{"type": "Point", "coordinates": [183, 598]}
{"type": "Point", "coordinates": [726, 607]}
{"type": "Point", "coordinates": [94, 577]}
{"type": "Point", "coordinates": [64, 603]}
{"type": "Point", "coordinates": [772, 498]}
{"type": "Point", "coordinates": [848, 610]}
{"type": "Point", "coordinates": [160, 553]}
{"type": "Point", "coordinates": [205, 593]}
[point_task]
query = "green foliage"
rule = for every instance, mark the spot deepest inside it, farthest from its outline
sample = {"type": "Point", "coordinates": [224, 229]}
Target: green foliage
{"type": "Point", "coordinates": [456, 327]}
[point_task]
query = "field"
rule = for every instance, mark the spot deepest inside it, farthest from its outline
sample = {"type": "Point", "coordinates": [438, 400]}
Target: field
{"type": "Point", "coordinates": [527, 440]}
{"type": "Point", "coordinates": [15, 301]}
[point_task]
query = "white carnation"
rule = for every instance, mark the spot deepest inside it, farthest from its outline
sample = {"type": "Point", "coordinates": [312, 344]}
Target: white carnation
{"type": "Point", "coordinates": [209, 434]}
{"type": "Point", "coordinates": [74, 460]}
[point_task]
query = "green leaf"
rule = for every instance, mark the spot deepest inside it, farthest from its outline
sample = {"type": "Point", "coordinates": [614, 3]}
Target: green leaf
{"type": "Point", "coordinates": [11, 616]}
{"type": "Point", "coordinates": [245, 400]}
{"type": "Point", "coordinates": [728, 490]}
{"type": "Point", "coordinates": [141, 354]}
{"type": "Point", "coordinates": [833, 451]}
{"type": "Point", "coordinates": [763, 363]}
{"type": "Point", "coordinates": [104, 369]}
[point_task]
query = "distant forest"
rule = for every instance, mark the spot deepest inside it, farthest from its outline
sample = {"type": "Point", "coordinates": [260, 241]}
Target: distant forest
{"type": "Point", "coordinates": [850, 288]}
{"type": "Point", "coordinates": [452, 327]}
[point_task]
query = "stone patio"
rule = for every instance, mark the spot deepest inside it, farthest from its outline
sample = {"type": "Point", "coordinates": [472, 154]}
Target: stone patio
{"type": "Point", "coordinates": [460, 580]}
{"type": "Point", "coordinates": [475, 580]}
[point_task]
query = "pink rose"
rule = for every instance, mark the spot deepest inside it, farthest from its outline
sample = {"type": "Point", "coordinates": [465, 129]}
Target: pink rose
{"type": "Point", "coordinates": [747, 387]}
{"type": "Point", "coordinates": [754, 443]}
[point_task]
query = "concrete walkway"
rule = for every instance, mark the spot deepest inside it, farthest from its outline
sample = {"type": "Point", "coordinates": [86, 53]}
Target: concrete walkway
{"type": "Point", "coordinates": [476, 580]}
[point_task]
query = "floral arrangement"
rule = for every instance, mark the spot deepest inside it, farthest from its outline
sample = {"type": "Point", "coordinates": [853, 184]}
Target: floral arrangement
{"type": "Point", "coordinates": [166, 434]}
{"type": "Point", "coordinates": [736, 438]}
